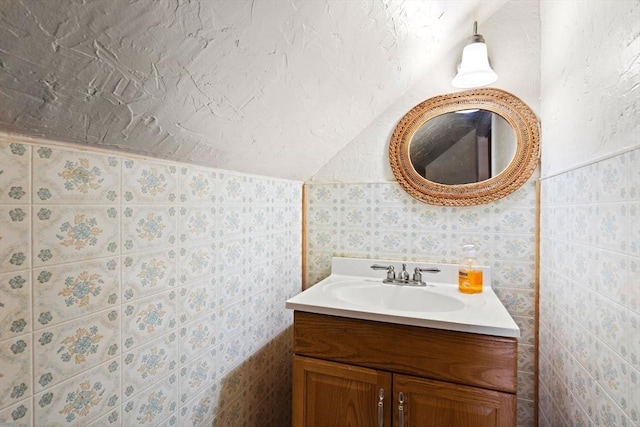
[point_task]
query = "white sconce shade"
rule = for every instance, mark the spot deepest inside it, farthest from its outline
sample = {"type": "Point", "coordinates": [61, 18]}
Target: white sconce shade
{"type": "Point", "coordinates": [474, 69]}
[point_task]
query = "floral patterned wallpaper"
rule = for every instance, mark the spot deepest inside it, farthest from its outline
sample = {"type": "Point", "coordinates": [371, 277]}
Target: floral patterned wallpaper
{"type": "Point", "coordinates": [379, 220]}
{"type": "Point", "coordinates": [590, 295]}
{"type": "Point", "coordinates": [136, 292]}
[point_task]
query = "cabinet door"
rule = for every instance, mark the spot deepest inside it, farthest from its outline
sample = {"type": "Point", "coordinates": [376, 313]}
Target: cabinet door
{"type": "Point", "coordinates": [329, 394]}
{"type": "Point", "coordinates": [429, 403]}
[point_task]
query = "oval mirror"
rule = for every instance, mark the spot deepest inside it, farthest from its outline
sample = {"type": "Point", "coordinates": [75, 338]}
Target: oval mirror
{"type": "Point", "coordinates": [466, 148]}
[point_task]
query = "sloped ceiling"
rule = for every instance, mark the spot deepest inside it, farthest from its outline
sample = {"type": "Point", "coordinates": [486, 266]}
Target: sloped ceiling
{"type": "Point", "coordinates": [269, 87]}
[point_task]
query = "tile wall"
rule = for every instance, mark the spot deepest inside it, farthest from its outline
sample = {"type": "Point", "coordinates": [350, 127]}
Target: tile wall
{"type": "Point", "coordinates": [138, 292]}
{"type": "Point", "coordinates": [379, 220]}
{"type": "Point", "coordinates": [590, 295]}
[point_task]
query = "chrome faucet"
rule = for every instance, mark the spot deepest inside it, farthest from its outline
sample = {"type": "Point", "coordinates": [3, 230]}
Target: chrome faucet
{"type": "Point", "coordinates": [404, 274]}
{"type": "Point", "coordinates": [403, 277]}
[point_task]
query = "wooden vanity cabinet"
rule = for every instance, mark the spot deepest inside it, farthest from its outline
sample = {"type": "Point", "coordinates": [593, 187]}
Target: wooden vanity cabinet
{"type": "Point", "coordinates": [430, 377]}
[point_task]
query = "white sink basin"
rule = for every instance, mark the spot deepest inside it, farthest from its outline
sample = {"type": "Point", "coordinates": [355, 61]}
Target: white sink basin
{"type": "Point", "coordinates": [375, 294]}
{"type": "Point", "coordinates": [356, 291]}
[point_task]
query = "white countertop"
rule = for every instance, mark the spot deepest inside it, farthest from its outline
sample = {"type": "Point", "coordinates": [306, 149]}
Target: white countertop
{"type": "Point", "coordinates": [478, 313]}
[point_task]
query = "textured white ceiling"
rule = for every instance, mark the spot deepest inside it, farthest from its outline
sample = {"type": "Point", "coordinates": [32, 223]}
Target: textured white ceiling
{"type": "Point", "coordinates": [270, 87]}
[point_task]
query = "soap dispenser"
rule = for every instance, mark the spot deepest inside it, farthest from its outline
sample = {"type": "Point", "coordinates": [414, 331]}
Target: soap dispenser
{"type": "Point", "coordinates": [469, 274]}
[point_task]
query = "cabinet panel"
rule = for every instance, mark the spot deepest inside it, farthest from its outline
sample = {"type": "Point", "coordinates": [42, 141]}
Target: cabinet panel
{"type": "Point", "coordinates": [463, 358]}
{"type": "Point", "coordinates": [328, 394]}
{"type": "Point", "coordinates": [429, 403]}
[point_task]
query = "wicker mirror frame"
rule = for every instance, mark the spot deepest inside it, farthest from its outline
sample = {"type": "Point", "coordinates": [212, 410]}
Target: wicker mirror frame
{"type": "Point", "coordinates": [521, 118]}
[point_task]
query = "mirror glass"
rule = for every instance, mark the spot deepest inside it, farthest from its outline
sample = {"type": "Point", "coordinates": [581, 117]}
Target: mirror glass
{"type": "Point", "coordinates": [478, 143]}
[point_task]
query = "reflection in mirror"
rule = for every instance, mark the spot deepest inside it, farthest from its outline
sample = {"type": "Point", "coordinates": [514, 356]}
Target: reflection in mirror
{"type": "Point", "coordinates": [479, 143]}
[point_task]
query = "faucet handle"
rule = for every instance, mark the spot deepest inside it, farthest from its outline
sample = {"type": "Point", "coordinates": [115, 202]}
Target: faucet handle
{"type": "Point", "coordinates": [417, 272]}
{"type": "Point", "coordinates": [391, 274]}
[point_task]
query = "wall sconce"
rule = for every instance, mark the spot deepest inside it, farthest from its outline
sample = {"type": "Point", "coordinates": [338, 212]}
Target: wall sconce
{"type": "Point", "coordinates": [474, 69]}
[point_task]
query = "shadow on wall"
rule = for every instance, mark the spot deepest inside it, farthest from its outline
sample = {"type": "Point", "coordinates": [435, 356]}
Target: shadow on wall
{"type": "Point", "coordinates": [258, 391]}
